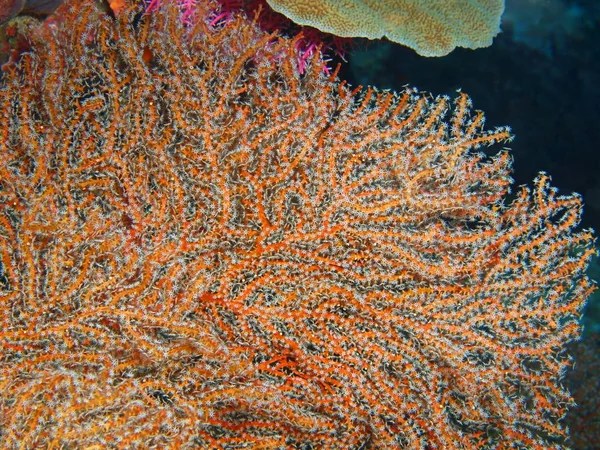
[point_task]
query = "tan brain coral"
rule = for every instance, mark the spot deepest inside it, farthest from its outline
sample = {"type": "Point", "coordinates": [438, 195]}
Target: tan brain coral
{"type": "Point", "coordinates": [430, 27]}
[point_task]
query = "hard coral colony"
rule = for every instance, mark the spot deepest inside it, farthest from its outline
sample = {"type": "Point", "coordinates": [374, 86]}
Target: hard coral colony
{"type": "Point", "coordinates": [202, 249]}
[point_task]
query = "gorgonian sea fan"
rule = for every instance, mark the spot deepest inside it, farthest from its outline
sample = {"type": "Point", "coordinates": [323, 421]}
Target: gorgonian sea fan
{"type": "Point", "coordinates": [201, 248]}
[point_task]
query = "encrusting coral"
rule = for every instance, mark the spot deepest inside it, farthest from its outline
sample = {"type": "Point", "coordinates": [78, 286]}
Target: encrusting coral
{"type": "Point", "coordinates": [201, 248]}
{"type": "Point", "coordinates": [430, 27]}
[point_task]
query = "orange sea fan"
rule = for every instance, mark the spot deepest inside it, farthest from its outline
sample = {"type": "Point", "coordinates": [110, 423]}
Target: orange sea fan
{"type": "Point", "coordinates": [201, 248]}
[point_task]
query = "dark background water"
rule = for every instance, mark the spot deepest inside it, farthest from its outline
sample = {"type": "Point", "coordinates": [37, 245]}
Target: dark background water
{"type": "Point", "coordinates": [541, 77]}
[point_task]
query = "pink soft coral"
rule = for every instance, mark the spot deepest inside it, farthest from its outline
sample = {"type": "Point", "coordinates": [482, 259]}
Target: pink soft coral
{"type": "Point", "coordinates": [308, 44]}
